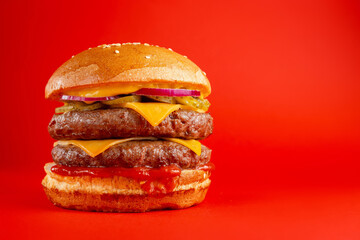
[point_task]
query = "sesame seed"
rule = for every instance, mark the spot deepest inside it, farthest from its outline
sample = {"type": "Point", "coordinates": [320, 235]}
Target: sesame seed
{"type": "Point", "coordinates": [72, 56]}
{"type": "Point", "coordinates": [204, 73]}
{"type": "Point", "coordinates": [104, 46]}
{"type": "Point", "coordinates": [146, 44]}
{"type": "Point", "coordinates": [116, 44]}
{"type": "Point", "coordinates": [147, 57]}
{"type": "Point", "coordinates": [136, 43]}
{"type": "Point", "coordinates": [116, 51]}
{"type": "Point", "coordinates": [89, 48]}
{"type": "Point", "coordinates": [185, 56]}
{"type": "Point", "coordinates": [170, 49]}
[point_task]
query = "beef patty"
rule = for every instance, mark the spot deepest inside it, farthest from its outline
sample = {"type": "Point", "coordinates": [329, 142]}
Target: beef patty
{"type": "Point", "coordinates": [125, 123]}
{"type": "Point", "coordinates": [131, 154]}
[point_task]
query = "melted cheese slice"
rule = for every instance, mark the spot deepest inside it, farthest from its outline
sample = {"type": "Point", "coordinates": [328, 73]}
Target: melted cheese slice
{"type": "Point", "coordinates": [154, 113]}
{"type": "Point", "coordinates": [192, 144]}
{"type": "Point", "coordinates": [104, 91]}
{"type": "Point", "coordinates": [95, 147]}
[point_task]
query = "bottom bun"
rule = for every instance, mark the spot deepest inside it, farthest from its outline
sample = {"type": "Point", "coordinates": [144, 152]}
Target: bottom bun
{"type": "Point", "coordinates": [120, 194]}
{"type": "Point", "coordinates": [125, 203]}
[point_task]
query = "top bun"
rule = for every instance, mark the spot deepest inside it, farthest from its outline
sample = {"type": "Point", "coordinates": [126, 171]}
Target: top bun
{"type": "Point", "coordinates": [129, 63]}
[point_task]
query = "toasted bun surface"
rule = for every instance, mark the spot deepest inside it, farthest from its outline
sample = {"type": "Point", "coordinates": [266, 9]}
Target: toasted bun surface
{"type": "Point", "coordinates": [120, 194]}
{"type": "Point", "coordinates": [116, 65]}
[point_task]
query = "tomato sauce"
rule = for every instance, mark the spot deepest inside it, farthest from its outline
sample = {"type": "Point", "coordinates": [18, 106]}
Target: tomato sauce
{"type": "Point", "coordinates": [155, 180]}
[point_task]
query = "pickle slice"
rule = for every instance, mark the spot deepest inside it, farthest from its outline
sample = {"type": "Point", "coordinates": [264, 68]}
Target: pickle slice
{"type": "Point", "coordinates": [79, 106]}
{"type": "Point", "coordinates": [163, 99]}
{"type": "Point", "coordinates": [65, 108]}
{"type": "Point", "coordinates": [194, 102]}
{"type": "Point", "coordinates": [132, 98]}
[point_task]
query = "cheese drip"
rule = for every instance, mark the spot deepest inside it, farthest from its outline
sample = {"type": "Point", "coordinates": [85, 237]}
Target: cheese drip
{"type": "Point", "coordinates": [155, 113]}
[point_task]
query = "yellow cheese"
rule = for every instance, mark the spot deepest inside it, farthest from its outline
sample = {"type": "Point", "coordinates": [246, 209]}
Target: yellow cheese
{"type": "Point", "coordinates": [113, 90]}
{"type": "Point", "coordinates": [95, 147]}
{"type": "Point", "coordinates": [191, 144]}
{"type": "Point", "coordinates": [104, 91]}
{"type": "Point", "coordinates": [154, 113]}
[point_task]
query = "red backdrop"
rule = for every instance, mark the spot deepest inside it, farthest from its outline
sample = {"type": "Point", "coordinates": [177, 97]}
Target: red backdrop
{"type": "Point", "coordinates": [286, 105]}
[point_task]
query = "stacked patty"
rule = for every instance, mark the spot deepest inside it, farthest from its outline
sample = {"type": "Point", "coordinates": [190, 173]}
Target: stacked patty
{"type": "Point", "coordinates": [126, 123]}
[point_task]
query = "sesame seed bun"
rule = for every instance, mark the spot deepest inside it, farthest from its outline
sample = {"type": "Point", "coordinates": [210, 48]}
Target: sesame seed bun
{"type": "Point", "coordinates": [118, 65]}
{"type": "Point", "coordinates": [121, 194]}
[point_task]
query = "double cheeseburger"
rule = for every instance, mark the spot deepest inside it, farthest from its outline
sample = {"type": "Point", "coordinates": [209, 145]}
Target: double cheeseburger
{"type": "Point", "coordinates": [127, 134]}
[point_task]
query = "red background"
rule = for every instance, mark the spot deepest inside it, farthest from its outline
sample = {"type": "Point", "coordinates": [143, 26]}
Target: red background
{"type": "Point", "coordinates": [285, 101]}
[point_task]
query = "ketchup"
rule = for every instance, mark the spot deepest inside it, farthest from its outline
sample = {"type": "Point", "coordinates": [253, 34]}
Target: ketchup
{"type": "Point", "coordinates": [137, 173]}
{"type": "Point", "coordinates": [156, 180]}
{"type": "Point", "coordinates": [207, 167]}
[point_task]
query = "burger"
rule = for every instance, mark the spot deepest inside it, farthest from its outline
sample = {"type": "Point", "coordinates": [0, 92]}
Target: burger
{"type": "Point", "coordinates": [127, 135]}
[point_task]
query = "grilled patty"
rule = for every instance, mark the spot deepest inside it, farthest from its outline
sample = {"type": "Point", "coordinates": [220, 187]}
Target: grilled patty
{"type": "Point", "coordinates": [125, 123]}
{"type": "Point", "coordinates": [153, 154]}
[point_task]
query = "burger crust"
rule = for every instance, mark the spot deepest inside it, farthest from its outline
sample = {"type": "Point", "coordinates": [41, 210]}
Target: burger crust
{"type": "Point", "coordinates": [120, 194]}
{"type": "Point", "coordinates": [121, 65]}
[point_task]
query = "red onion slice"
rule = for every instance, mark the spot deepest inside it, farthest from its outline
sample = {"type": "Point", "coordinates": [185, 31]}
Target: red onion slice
{"type": "Point", "coordinates": [167, 92]}
{"type": "Point", "coordinates": [144, 91]}
{"type": "Point", "coordinates": [87, 99]}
